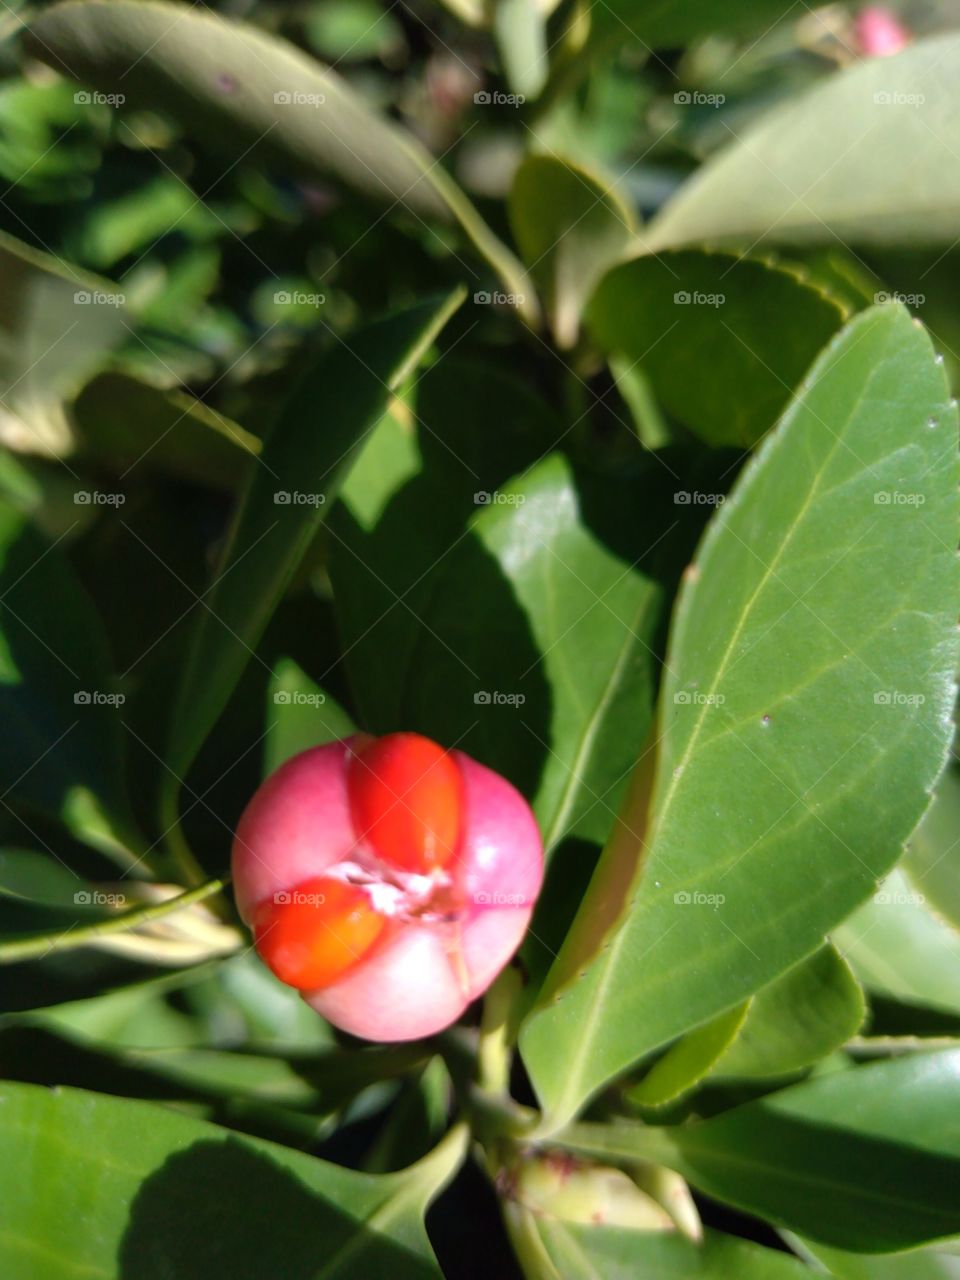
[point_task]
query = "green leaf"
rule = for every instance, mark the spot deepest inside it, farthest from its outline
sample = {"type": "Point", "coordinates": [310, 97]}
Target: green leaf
{"type": "Point", "coordinates": [798, 1019]}
{"type": "Point", "coordinates": [932, 860]}
{"type": "Point", "coordinates": [299, 715]}
{"type": "Point", "coordinates": [549, 593]}
{"type": "Point", "coordinates": [802, 730]}
{"type": "Point", "coordinates": [555, 1250]}
{"type": "Point", "coordinates": [60, 750]}
{"type": "Point", "coordinates": [240, 89]}
{"type": "Point", "coordinates": [289, 491]}
{"type": "Point", "coordinates": [689, 1060]}
{"type": "Point", "coordinates": [891, 1184]}
{"type": "Point", "coordinates": [123, 423]}
{"type": "Point", "coordinates": [56, 327]}
{"type": "Point", "coordinates": [865, 156]}
{"type": "Point", "coordinates": [571, 227]}
{"type": "Point", "coordinates": [96, 1186]}
{"type": "Point", "coordinates": [898, 947]}
{"type": "Point", "coordinates": [918, 1264]}
{"type": "Point", "coordinates": [406, 504]}
{"type": "Point", "coordinates": [723, 339]}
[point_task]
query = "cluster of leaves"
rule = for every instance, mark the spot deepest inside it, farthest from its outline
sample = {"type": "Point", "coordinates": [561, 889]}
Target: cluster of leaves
{"type": "Point", "coordinates": [541, 378]}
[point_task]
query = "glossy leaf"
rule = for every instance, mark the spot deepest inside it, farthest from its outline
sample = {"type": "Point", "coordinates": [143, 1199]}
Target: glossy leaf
{"type": "Point", "coordinates": [918, 1264]}
{"type": "Point", "coordinates": [891, 1186]}
{"type": "Point", "coordinates": [798, 1019]}
{"type": "Point", "coordinates": [237, 88]}
{"type": "Point", "coordinates": [539, 567]}
{"type": "Point", "coordinates": [299, 715]}
{"type": "Point", "coordinates": [295, 482]}
{"type": "Point", "coordinates": [689, 1060]}
{"type": "Point", "coordinates": [416, 485]}
{"type": "Point", "coordinates": [94, 1183]}
{"type": "Point", "coordinates": [866, 156]}
{"type": "Point", "coordinates": [724, 340]}
{"type": "Point", "coordinates": [798, 735]}
{"type": "Point", "coordinates": [898, 947]}
{"type": "Point", "coordinates": [571, 227]}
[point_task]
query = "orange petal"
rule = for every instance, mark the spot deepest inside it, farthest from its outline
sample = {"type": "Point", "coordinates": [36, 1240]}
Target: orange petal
{"type": "Point", "coordinates": [317, 932]}
{"type": "Point", "coordinates": [406, 797]}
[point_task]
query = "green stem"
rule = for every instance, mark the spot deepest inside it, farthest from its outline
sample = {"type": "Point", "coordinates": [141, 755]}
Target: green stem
{"type": "Point", "coordinates": [42, 944]}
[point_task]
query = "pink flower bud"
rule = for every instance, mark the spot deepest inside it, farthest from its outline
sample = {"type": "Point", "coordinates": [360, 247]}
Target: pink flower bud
{"type": "Point", "coordinates": [387, 879]}
{"type": "Point", "coordinates": [880, 32]}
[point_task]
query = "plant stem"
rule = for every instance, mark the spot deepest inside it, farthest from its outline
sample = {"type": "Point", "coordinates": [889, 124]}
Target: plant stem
{"type": "Point", "coordinates": [42, 944]}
